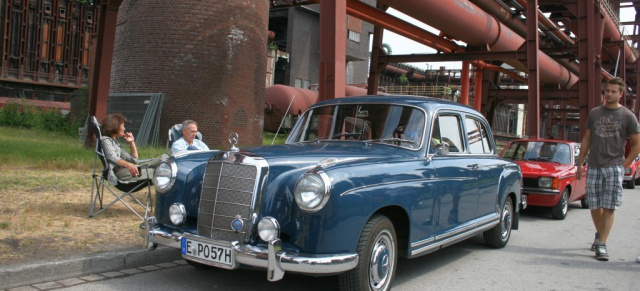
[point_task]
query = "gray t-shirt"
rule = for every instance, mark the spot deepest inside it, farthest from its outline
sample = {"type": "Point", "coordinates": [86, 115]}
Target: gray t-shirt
{"type": "Point", "coordinates": [610, 129]}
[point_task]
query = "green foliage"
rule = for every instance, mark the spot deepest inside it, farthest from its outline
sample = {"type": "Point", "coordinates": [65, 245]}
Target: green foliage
{"type": "Point", "coordinates": [44, 149]}
{"type": "Point", "coordinates": [40, 148]}
{"type": "Point", "coordinates": [24, 115]}
{"type": "Point", "coordinates": [267, 138]}
{"type": "Point", "coordinates": [403, 79]}
{"type": "Point", "coordinates": [272, 46]}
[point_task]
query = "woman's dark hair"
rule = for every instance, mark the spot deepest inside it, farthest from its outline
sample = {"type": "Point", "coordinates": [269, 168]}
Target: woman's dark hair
{"type": "Point", "coordinates": [111, 123]}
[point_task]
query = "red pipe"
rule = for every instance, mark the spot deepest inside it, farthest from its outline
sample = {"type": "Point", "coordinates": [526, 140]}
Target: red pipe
{"type": "Point", "coordinates": [391, 23]}
{"type": "Point", "coordinates": [464, 83]}
{"type": "Point", "coordinates": [477, 93]}
{"type": "Point", "coordinates": [611, 32]}
{"type": "Point", "coordinates": [546, 22]}
{"type": "Point", "coordinates": [477, 28]}
{"type": "Point", "coordinates": [410, 75]}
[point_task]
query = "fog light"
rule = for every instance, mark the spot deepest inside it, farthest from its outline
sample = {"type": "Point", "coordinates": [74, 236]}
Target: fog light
{"type": "Point", "coordinates": [268, 229]}
{"type": "Point", "coordinates": [177, 213]}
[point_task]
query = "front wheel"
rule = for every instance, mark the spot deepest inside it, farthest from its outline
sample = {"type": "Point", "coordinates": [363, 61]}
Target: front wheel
{"type": "Point", "coordinates": [377, 253]}
{"type": "Point", "coordinates": [559, 211]}
{"type": "Point", "coordinates": [499, 235]}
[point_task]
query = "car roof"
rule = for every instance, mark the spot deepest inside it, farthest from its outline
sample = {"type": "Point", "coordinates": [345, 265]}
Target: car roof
{"type": "Point", "coordinates": [427, 103]}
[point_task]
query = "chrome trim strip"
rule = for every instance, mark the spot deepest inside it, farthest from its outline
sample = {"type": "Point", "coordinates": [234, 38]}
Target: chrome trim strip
{"type": "Point", "coordinates": [494, 217]}
{"type": "Point", "coordinates": [453, 239]}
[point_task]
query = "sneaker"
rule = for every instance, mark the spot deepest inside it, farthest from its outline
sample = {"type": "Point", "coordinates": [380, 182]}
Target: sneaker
{"type": "Point", "coordinates": [601, 252]}
{"type": "Point", "coordinates": [595, 242]}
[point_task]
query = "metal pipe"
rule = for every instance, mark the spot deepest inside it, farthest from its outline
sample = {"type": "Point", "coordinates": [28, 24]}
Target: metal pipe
{"type": "Point", "coordinates": [391, 23]}
{"type": "Point", "coordinates": [546, 22]}
{"type": "Point", "coordinates": [464, 83]}
{"type": "Point", "coordinates": [477, 28]}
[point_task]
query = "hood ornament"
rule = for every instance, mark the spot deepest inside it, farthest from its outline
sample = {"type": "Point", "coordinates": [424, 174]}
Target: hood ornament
{"type": "Point", "coordinates": [233, 140]}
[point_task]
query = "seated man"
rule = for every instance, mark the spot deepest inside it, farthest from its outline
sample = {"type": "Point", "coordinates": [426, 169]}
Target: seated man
{"type": "Point", "coordinates": [188, 140]}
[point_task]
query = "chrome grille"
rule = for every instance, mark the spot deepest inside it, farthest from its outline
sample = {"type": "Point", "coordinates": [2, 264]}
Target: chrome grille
{"type": "Point", "coordinates": [227, 191]}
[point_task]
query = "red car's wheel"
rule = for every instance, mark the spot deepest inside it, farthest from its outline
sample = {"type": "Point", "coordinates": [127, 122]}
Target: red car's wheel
{"type": "Point", "coordinates": [559, 211]}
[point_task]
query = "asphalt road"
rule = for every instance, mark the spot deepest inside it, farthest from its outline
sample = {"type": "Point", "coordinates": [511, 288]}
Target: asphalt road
{"type": "Point", "coordinates": [545, 254]}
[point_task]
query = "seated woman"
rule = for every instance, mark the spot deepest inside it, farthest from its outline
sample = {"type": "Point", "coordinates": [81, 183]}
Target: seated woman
{"type": "Point", "coordinates": [123, 165]}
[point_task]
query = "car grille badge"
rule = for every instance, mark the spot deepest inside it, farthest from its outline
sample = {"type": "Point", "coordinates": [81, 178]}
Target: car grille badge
{"type": "Point", "coordinates": [237, 224]}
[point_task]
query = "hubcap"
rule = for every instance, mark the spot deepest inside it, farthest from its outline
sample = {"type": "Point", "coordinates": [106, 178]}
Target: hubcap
{"type": "Point", "coordinates": [506, 222]}
{"type": "Point", "coordinates": [381, 259]}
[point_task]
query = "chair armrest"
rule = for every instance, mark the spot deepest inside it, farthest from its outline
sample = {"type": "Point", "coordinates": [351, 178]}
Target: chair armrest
{"type": "Point", "coordinates": [145, 160]}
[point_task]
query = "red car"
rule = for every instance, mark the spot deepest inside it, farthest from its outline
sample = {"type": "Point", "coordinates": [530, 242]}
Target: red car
{"type": "Point", "coordinates": [549, 173]}
{"type": "Point", "coordinates": [631, 175]}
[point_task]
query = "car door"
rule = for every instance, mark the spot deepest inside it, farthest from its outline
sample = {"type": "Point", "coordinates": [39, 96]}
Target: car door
{"type": "Point", "coordinates": [489, 168]}
{"type": "Point", "coordinates": [455, 171]}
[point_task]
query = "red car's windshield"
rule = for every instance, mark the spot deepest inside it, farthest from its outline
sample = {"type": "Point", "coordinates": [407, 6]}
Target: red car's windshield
{"type": "Point", "coordinates": [538, 151]}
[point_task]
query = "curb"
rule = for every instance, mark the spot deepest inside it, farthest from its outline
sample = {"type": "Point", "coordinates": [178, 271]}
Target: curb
{"type": "Point", "coordinates": [26, 274]}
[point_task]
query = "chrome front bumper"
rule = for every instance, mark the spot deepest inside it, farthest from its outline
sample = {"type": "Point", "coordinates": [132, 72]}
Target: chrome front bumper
{"type": "Point", "coordinates": [272, 258]}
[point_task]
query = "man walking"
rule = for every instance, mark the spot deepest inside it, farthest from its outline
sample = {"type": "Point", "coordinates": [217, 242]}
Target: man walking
{"type": "Point", "coordinates": [608, 128]}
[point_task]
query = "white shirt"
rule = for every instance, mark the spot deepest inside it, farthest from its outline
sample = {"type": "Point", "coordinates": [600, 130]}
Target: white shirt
{"type": "Point", "coordinates": [182, 145]}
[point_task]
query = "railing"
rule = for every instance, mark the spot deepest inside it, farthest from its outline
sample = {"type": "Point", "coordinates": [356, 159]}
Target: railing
{"type": "Point", "coordinates": [421, 90]}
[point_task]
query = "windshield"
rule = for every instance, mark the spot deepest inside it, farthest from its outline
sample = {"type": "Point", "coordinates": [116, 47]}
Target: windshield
{"type": "Point", "coordinates": [539, 151]}
{"type": "Point", "coordinates": [392, 124]}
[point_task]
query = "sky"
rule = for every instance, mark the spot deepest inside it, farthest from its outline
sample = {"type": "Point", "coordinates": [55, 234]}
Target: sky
{"type": "Point", "coordinates": [404, 46]}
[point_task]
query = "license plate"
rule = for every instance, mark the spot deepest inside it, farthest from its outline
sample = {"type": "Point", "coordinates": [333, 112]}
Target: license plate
{"type": "Point", "coordinates": [217, 254]}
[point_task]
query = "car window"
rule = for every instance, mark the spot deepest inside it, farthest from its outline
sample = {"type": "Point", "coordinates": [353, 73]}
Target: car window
{"type": "Point", "coordinates": [539, 151]}
{"type": "Point", "coordinates": [563, 154]}
{"type": "Point", "coordinates": [447, 129]}
{"type": "Point", "coordinates": [477, 136]}
{"type": "Point", "coordinates": [391, 124]}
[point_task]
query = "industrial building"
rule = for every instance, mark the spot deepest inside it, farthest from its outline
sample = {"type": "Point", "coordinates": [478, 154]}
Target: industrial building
{"type": "Point", "coordinates": [534, 68]}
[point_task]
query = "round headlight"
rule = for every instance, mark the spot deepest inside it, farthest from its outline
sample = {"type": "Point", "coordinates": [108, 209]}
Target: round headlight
{"type": "Point", "coordinates": [164, 176]}
{"type": "Point", "coordinates": [268, 229]}
{"type": "Point", "coordinates": [177, 213]}
{"type": "Point", "coordinates": [312, 191]}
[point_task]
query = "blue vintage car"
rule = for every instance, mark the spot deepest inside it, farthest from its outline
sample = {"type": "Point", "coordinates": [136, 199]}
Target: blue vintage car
{"type": "Point", "coordinates": [359, 182]}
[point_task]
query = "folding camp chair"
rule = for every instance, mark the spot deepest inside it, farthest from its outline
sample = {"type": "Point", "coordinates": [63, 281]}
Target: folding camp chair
{"type": "Point", "coordinates": [101, 182]}
{"type": "Point", "coordinates": [175, 133]}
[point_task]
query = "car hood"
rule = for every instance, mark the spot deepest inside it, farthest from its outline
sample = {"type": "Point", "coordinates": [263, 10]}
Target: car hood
{"type": "Point", "coordinates": [303, 155]}
{"type": "Point", "coordinates": [546, 168]}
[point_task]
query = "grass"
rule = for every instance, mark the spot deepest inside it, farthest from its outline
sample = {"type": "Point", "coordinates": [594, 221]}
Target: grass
{"type": "Point", "coordinates": [46, 185]}
{"type": "Point", "coordinates": [267, 138]}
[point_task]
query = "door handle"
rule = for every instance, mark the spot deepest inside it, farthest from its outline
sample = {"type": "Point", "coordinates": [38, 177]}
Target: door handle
{"type": "Point", "coordinates": [473, 166]}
